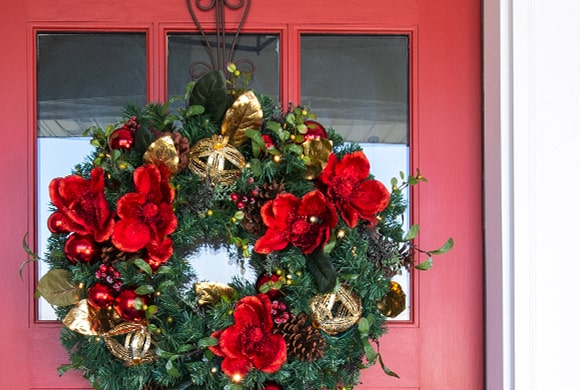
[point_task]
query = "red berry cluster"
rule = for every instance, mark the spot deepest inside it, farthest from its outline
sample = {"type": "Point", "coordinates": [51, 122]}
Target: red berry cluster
{"type": "Point", "coordinates": [280, 314]}
{"type": "Point", "coordinates": [109, 275]}
{"type": "Point", "coordinates": [241, 200]}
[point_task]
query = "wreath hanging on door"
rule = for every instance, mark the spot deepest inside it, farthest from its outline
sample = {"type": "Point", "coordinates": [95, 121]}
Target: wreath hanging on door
{"type": "Point", "coordinates": [284, 196]}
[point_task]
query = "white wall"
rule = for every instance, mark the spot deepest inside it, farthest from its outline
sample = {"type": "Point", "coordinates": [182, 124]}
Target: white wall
{"type": "Point", "coordinates": [532, 84]}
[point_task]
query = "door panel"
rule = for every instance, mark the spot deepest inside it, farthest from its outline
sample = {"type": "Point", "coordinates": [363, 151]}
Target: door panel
{"type": "Point", "coordinates": [441, 347]}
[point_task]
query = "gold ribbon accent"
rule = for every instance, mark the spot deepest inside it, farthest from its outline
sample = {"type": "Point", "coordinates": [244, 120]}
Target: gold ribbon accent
{"type": "Point", "coordinates": [136, 349]}
{"type": "Point", "coordinates": [210, 293]}
{"type": "Point", "coordinates": [394, 303]}
{"type": "Point", "coordinates": [245, 113]}
{"type": "Point", "coordinates": [316, 151]}
{"type": "Point", "coordinates": [336, 312]}
{"type": "Point", "coordinates": [88, 320]}
{"type": "Point", "coordinates": [208, 159]}
{"type": "Point", "coordinates": [163, 151]}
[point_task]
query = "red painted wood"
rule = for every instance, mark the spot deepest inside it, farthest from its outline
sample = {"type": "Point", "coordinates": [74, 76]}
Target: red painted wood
{"type": "Point", "coordinates": [442, 347]}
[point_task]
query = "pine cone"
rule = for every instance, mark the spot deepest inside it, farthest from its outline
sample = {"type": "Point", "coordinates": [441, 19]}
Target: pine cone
{"type": "Point", "coordinates": [303, 340]}
{"type": "Point", "coordinates": [110, 255]}
{"type": "Point", "coordinates": [181, 145]}
{"type": "Point", "coordinates": [153, 386]}
{"type": "Point", "coordinates": [252, 221]}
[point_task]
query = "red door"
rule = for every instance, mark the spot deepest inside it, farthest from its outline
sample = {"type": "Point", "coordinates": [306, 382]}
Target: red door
{"type": "Point", "coordinates": [441, 347]}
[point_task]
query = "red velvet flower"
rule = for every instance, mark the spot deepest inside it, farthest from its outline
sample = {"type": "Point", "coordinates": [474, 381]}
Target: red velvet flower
{"type": "Point", "coordinates": [304, 223]}
{"type": "Point", "coordinates": [82, 207]}
{"type": "Point", "coordinates": [249, 342]}
{"type": "Point", "coordinates": [146, 216]}
{"type": "Point", "coordinates": [346, 186]}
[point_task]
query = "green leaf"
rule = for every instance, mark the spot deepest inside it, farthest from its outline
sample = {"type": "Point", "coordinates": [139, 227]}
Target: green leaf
{"type": "Point", "coordinates": [143, 138]}
{"type": "Point", "coordinates": [57, 287]}
{"type": "Point", "coordinates": [211, 92]}
{"type": "Point", "coordinates": [145, 289]}
{"type": "Point", "coordinates": [426, 265]}
{"type": "Point", "coordinates": [171, 370]}
{"type": "Point", "coordinates": [370, 352]}
{"type": "Point", "coordinates": [256, 167]}
{"type": "Point", "coordinates": [412, 233]}
{"type": "Point", "coordinates": [194, 110]}
{"type": "Point", "coordinates": [143, 266]}
{"type": "Point", "coordinates": [445, 248]}
{"type": "Point", "coordinates": [386, 369]}
{"type": "Point", "coordinates": [31, 255]}
{"type": "Point", "coordinates": [207, 342]}
{"type": "Point", "coordinates": [320, 266]}
{"type": "Point", "coordinates": [363, 327]}
{"type": "Point", "coordinates": [293, 148]}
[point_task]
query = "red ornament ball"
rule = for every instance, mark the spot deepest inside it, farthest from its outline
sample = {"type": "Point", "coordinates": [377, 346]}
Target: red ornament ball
{"type": "Point", "coordinates": [271, 385]}
{"type": "Point", "coordinates": [131, 306]}
{"type": "Point", "coordinates": [315, 130]}
{"type": "Point", "coordinates": [122, 138]}
{"type": "Point", "coordinates": [56, 223]}
{"type": "Point", "coordinates": [81, 248]}
{"type": "Point", "coordinates": [101, 296]}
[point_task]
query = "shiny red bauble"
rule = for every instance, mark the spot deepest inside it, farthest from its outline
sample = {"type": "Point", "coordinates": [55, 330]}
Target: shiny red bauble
{"type": "Point", "coordinates": [56, 223]}
{"type": "Point", "coordinates": [122, 138]}
{"type": "Point", "coordinates": [81, 248]}
{"type": "Point", "coordinates": [130, 306]}
{"type": "Point", "coordinates": [315, 130]}
{"type": "Point", "coordinates": [101, 295]}
{"type": "Point", "coordinates": [271, 385]}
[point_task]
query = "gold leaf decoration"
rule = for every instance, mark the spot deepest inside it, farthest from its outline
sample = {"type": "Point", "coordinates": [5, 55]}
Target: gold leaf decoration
{"type": "Point", "coordinates": [215, 160]}
{"type": "Point", "coordinates": [336, 312]}
{"type": "Point", "coordinates": [57, 287]}
{"type": "Point", "coordinates": [137, 346]}
{"type": "Point", "coordinates": [163, 151]}
{"type": "Point", "coordinates": [316, 151]}
{"type": "Point", "coordinates": [245, 113]}
{"type": "Point", "coordinates": [394, 303]}
{"type": "Point", "coordinates": [88, 320]}
{"type": "Point", "coordinates": [211, 292]}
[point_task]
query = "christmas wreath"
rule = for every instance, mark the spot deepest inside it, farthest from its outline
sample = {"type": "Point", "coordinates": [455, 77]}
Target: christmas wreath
{"type": "Point", "coordinates": [230, 169]}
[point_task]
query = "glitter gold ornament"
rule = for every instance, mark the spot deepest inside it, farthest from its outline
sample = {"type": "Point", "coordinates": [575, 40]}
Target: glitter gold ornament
{"type": "Point", "coordinates": [209, 159]}
{"type": "Point", "coordinates": [211, 292]}
{"type": "Point", "coordinates": [316, 151]}
{"type": "Point", "coordinates": [245, 113]}
{"type": "Point", "coordinates": [394, 303]}
{"type": "Point", "coordinates": [137, 346]}
{"type": "Point", "coordinates": [163, 151]}
{"type": "Point", "coordinates": [336, 312]}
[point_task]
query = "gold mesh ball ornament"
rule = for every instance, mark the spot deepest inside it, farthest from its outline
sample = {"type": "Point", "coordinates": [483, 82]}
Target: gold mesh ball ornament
{"type": "Point", "coordinates": [137, 346]}
{"type": "Point", "coordinates": [394, 303]}
{"type": "Point", "coordinates": [336, 312]}
{"type": "Point", "coordinates": [216, 161]}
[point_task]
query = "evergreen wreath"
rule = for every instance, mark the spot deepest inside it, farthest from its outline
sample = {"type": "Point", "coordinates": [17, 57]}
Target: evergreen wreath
{"type": "Point", "coordinates": [286, 197]}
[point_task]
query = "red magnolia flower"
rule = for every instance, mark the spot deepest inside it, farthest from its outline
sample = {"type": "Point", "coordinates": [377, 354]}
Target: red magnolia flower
{"type": "Point", "coordinates": [82, 207]}
{"type": "Point", "coordinates": [346, 186]}
{"type": "Point", "coordinates": [304, 223]}
{"type": "Point", "coordinates": [146, 216]}
{"type": "Point", "coordinates": [249, 342]}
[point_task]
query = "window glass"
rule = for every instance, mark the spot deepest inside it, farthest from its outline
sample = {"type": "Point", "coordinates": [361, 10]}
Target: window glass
{"type": "Point", "coordinates": [359, 85]}
{"type": "Point", "coordinates": [188, 57]}
{"type": "Point", "coordinates": [83, 80]}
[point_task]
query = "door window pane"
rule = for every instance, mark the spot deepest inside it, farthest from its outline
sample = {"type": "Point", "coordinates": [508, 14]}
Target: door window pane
{"type": "Point", "coordinates": [187, 53]}
{"type": "Point", "coordinates": [359, 85]}
{"type": "Point", "coordinates": [83, 80]}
